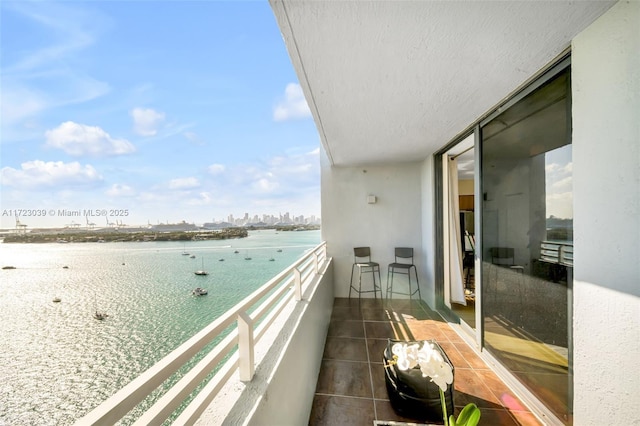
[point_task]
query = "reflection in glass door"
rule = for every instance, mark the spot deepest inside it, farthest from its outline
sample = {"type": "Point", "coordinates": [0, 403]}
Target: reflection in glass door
{"type": "Point", "coordinates": [527, 241]}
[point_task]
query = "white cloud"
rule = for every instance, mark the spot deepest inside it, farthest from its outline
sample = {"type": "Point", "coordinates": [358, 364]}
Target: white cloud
{"type": "Point", "coordinates": [69, 30]}
{"type": "Point", "coordinates": [560, 205]}
{"type": "Point", "coordinates": [281, 177]}
{"type": "Point", "coordinates": [266, 184]}
{"type": "Point", "coordinates": [37, 76]}
{"type": "Point", "coordinates": [20, 102]}
{"type": "Point", "coordinates": [38, 174]}
{"type": "Point", "coordinates": [565, 168]}
{"type": "Point", "coordinates": [23, 102]}
{"type": "Point", "coordinates": [119, 190]}
{"type": "Point", "coordinates": [146, 121]}
{"type": "Point", "coordinates": [559, 177]}
{"type": "Point", "coordinates": [293, 105]}
{"type": "Point", "coordinates": [287, 182]}
{"type": "Point", "coordinates": [216, 169]}
{"type": "Point", "coordinates": [296, 166]}
{"type": "Point", "coordinates": [193, 137]}
{"type": "Point", "coordinates": [184, 183]}
{"type": "Point", "coordinates": [148, 197]}
{"type": "Point", "coordinates": [563, 184]}
{"type": "Point", "coordinates": [78, 139]}
{"type": "Point", "coordinates": [203, 199]}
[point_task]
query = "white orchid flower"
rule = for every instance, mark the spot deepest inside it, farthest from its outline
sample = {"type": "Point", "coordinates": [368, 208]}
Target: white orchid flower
{"type": "Point", "coordinates": [406, 355]}
{"type": "Point", "coordinates": [430, 360]}
{"type": "Point", "coordinates": [397, 349]}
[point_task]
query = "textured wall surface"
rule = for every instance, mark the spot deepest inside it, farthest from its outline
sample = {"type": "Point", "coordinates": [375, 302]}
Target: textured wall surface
{"type": "Point", "coordinates": [391, 81]}
{"type": "Point", "coordinates": [606, 153]}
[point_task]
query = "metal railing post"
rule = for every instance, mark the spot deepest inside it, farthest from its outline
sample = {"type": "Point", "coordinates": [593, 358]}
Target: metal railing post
{"type": "Point", "coordinates": [298, 284]}
{"type": "Point", "coordinates": [245, 347]}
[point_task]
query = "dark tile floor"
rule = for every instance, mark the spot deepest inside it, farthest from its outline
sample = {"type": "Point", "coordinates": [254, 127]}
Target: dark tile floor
{"type": "Point", "coordinates": [351, 388]}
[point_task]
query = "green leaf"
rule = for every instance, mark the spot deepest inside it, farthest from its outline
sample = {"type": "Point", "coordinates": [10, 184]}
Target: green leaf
{"type": "Point", "coordinates": [452, 421]}
{"type": "Point", "coordinates": [473, 419]}
{"type": "Point", "coordinates": [469, 416]}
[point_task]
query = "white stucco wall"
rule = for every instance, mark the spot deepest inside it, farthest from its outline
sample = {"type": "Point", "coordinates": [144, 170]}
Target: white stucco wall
{"type": "Point", "coordinates": [606, 173]}
{"type": "Point", "coordinates": [349, 221]}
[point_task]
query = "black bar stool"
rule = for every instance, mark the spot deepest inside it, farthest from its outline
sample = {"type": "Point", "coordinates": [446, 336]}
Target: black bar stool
{"type": "Point", "coordinates": [362, 261]}
{"type": "Point", "coordinates": [403, 265]}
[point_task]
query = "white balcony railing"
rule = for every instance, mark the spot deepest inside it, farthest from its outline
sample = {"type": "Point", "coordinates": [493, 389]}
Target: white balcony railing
{"type": "Point", "coordinates": [556, 252]}
{"type": "Point", "coordinates": [253, 316]}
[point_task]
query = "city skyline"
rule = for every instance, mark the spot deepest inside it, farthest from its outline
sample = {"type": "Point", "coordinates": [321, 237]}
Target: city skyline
{"type": "Point", "coordinates": [76, 219]}
{"type": "Point", "coordinates": [187, 116]}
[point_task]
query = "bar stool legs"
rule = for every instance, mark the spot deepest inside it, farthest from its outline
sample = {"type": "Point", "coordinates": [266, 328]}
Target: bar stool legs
{"type": "Point", "coordinates": [404, 271]}
{"type": "Point", "coordinates": [362, 261]}
{"type": "Point", "coordinates": [365, 270]}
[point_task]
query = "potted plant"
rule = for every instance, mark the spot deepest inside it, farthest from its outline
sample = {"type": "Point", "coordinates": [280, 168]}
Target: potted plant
{"type": "Point", "coordinates": [433, 366]}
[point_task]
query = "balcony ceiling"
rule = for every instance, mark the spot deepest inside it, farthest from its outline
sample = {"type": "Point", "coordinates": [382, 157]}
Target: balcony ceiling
{"type": "Point", "coordinates": [394, 81]}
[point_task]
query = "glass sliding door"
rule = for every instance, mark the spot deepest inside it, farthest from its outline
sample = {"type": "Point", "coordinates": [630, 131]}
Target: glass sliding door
{"type": "Point", "coordinates": [527, 240]}
{"type": "Point", "coordinates": [458, 202]}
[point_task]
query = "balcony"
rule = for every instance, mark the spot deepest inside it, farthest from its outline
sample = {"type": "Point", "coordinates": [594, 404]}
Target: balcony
{"type": "Point", "coordinates": [291, 349]}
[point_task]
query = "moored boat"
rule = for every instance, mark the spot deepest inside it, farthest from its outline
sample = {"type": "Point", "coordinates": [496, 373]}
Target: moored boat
{"type": "Point", "coordinates": [199, 291]}
{"type": "Point", "coordinates": [201, 271]}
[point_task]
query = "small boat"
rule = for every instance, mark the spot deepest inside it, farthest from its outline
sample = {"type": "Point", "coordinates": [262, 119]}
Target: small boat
{"type": "Point", "coordinates": [279, 250]}
{"type": "Point", "coordinates": [8, 267]}
{"type": "Point", "coordinates": [247, 257]}
{"type": "Point", "coordinates": [220, 260]}
{"type": "Point", "coordinates": [271, 260]}
{"type": "Point", "coordinates": [65, 267]}
{"type": "Point", "coordinates": [236, 252]}
{"type": "Point", "coordinates": [100, 315]}
{"type": "Point", "coordinates": [56, 300]}
{"type": "Point", "coordinates": [199, 291]}
{"type": "Point", "coordinates": [201, 271]}
{"type": "Point", "coordinates": [193, 256]}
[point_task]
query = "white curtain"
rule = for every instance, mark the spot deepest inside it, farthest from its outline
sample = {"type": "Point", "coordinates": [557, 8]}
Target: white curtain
{"type": "Point", "coordinates": [455, 239]}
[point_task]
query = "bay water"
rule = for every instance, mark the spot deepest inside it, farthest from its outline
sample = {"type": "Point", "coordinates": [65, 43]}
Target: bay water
{"type": "Point", "coordinates": [57, 362]}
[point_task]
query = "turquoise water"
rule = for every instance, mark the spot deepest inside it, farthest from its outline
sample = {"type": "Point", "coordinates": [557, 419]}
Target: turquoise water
{"type": "Point", "coordinates": [58, 362]}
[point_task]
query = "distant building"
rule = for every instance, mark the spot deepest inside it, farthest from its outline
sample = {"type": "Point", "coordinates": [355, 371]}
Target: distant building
{"type": "Point", "coordinates": [218, 225]}
{"type": "Point", "coordinates": [171, 227]}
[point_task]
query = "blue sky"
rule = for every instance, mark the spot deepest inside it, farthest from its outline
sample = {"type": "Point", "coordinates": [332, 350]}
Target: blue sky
{"type": "Point", "coordinates": [172, 110]}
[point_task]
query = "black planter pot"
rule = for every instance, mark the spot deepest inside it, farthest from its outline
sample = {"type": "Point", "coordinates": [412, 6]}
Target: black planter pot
{"type": "Point", "coordinates": [412, 395]}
